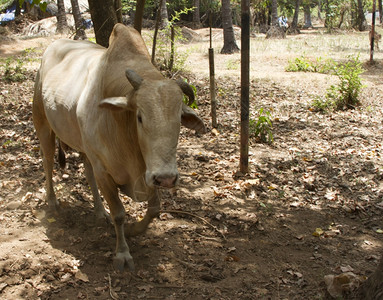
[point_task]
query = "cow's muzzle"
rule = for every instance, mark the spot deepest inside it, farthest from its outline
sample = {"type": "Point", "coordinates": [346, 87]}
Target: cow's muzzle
{"type": "Point", "coordinates": [165, 180]}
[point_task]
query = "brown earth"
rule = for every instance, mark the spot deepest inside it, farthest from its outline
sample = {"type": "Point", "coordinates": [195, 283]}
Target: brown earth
{"type": "Point", "coordinates": [311, 206]}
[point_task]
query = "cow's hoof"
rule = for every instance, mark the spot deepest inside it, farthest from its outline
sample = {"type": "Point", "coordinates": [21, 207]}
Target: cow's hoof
{"type": "Point", "coordinates": [53, 207]}
{"type": "Point", "coordinates": [122, 260]}
{"type": "Point", "coordinates": [102, 217]}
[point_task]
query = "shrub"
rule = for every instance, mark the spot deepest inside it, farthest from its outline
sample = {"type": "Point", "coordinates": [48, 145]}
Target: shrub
{"type": "Point", "coordinates": [262, 127]}
{"type": "Point", "coordinates": [303, 64]}
{"type": "Point", "coordinates": [346, 93]}
{"type": "Point", "coordinates": [14, 70]}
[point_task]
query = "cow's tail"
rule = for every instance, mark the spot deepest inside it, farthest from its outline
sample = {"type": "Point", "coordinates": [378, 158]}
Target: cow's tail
{"type": "Point", "coordinates": [62, 148]}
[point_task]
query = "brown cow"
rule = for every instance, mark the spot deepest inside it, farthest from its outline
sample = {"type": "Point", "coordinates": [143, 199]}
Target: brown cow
{"type": "Point", "coordinates": [113, 106]}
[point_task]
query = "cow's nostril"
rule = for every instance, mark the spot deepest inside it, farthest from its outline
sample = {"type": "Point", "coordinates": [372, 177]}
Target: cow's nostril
{"type": "Point", "coordinates": [167, 181]}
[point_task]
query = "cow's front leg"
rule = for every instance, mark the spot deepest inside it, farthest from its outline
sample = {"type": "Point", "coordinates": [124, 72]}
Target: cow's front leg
{"type": "Point", "coordinates": [152, 212]}
{"type": "Point", "coordinates": [109, 190]}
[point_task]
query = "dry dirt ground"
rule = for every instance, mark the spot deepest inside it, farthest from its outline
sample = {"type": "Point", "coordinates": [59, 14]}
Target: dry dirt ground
{"type": "Point", "coordinates": [311, 205]}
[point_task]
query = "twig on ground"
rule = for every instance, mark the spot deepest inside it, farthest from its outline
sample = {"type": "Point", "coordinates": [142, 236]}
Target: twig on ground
{"type": "Point", "coordinates": [112, 293]}
{"type": "Point", "coordinates": [196, 216]}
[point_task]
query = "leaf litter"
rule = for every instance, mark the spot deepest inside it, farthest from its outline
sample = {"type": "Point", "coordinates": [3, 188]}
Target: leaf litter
{"type": "Point", "coordinates": [221, 235]}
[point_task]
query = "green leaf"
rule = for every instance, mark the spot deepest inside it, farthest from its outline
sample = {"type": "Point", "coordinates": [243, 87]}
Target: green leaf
{"type": "Point", "coordinates": [43, 6]}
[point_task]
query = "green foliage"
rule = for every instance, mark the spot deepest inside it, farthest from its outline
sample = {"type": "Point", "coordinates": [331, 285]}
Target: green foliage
{"type": "Point", "coordinates": [186, 99]}
{"type": "Point", "coordinates": [304, 64]}
{"type": "Point", "coordinates": [13, 70]}
{"type": "Point", "coordinates": [163, 53]}
{"type": "Point", "coordinates": [41, 3]}
{"type": "Point", "coordinates": [345, 94]}
{"type": "Point", "coordinates": [262, 127]}
{"type": "Point", "coordinates": [233, 64]}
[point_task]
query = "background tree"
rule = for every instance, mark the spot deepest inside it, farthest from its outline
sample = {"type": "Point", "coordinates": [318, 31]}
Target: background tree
{"type": "Point", "coordinates": [294, 24]}
{"type": "Point", "coordinates": [104, 18]}
{"type": "Point", "coordinates": [307, 13]}
{"type": "Point", "coordinates": [229, 43]}
{"type": "Point", "coordinates": [196, 14]}
{"type": "Point", "coordinates": [361, 19]}
{"type": "Point", "coordinates": [164, 14]}
{"type": "Point", "coordinates": [274, 13]}
{"type": "Point", "coordinates": [62, 24]}
{"type": "Point", "coordinates": [139, 15]}
{"type": "Point", "coordinates": [78, 20]}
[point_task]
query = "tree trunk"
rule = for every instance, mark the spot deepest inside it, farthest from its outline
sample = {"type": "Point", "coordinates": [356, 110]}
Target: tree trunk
{"type": "Point", "coordinates": [294, 24]}
{"type": "Point", "coordinates": [104, 18]}
{"type": "Point", "coordinates": [164, 15]}
{"type": "Point", "coordinates": [18, 8]}
{"type": "Point", "coordinates": [139, 15]}
{"type": "Point", "coordinates": [274, 13]}
{"type": "Point", "coordinates": [62, 24]}
{"type": "Point", "coordinates": [372, 288]}
{"type": "Point", "coordinates": [196, 15]}
{"type": "Point", "coordinates": [78, 20]}
{"type": "Point", "coordinates": [307, 14]}
{"type": "Point", "coordinates": [380, 11]}
{"type": "Point", "coordinates": [319, 9]}
{"type": "Point", "coordinates": [361, 20]}
{"type": "Point", "coordinates": [229, 43]}
{"type": "Point", "coordinates": [118, 10]}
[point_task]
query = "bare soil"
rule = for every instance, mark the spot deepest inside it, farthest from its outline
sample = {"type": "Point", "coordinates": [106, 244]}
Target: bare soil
{"type": "Point", "coordinates": [311, 205]}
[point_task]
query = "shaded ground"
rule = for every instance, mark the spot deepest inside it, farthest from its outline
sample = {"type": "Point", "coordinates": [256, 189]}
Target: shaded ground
{"type": "Point", "coordinates": [219, 236]}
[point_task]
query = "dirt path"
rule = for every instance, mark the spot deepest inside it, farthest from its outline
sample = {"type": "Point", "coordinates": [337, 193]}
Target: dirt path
{"type": "Point", "coordinates": [220, 236]}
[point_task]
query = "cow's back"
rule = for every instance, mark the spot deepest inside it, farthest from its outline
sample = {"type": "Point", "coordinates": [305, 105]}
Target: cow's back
{"type": "Point", "coordinates": [68, 75]}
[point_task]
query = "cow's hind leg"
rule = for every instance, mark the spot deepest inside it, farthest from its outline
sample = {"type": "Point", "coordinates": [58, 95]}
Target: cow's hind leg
{"type": "Point", "coordinates": [98, 206]}
{"type": "Point", "coordinates": [152, 212]}
{"type": "Point", "coordinates": [47, 144]}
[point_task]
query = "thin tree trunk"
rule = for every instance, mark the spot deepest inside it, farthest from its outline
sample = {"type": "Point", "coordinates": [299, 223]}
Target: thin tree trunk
{"type": "Point", "coordinates": [18, 8]}
{"type": "Point", "coordinates": [139, 14]}
{"type": "Point", "coordinates": [361, 22]}
{"type": "Point", "coordinates": [274, 13]}
{"type": "Point", "coordinates": [62, 24]}
{"type": "Point", "coordinates": [78, 20]}
{"type": "Point", "coordinates": [103, 18]}
{"type": "Point", "coordinates": [158, 20]}
{"type": "Point", "coordinates": [380, 11]}
{"type": "Point", "coordinates": [229, 43]}
{"type": "Point", "coordinates": [245, 84]}
{"type": "Point", "coordinates": [294, 24]}
{"type": "Point", "coordinates": [196, 14]}
{"type": "Point", "coordinates": [118, 10]}
{"type": "Point", "coordinates": [307, 15]}
{"type": "Point", "coordinates": [164, 15]}
{"type": "Point", "coordinates": [319, 9]}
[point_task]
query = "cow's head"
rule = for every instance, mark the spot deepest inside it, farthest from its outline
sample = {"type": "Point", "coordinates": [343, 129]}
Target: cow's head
{"type": "Point", "coordinates": [159, 113]}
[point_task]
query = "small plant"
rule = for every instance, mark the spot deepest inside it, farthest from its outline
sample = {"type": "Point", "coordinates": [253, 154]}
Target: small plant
{"type": "Point", "coordinates": [171, 60]}
{"type": "Point", "coordinates": [186, 99]}
{"type": "Point", "coordinates": [346, 93]}
{"type": "Point", "coordinates": [262, 127]}
{"type": "Point", "coordinates": [299, 64]}
{"type": "Point", "coordinates": [233, 64]}
{"type": "Point", "coordinates": [14, 70]}
{"type": "Point", "coordinates": [303, 64]}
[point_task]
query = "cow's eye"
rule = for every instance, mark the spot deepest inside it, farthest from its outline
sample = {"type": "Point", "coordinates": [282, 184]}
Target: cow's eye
{"type": "Point", "coordinates": [139, 119]}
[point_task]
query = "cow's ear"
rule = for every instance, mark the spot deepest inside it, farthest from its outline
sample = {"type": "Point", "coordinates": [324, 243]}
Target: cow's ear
{"type": "Point", "coordinates": [115, 103]}
{"type": "Point", "coordinates": [190, 120]}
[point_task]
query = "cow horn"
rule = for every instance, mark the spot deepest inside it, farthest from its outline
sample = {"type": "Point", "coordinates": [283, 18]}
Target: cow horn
{"type": "Point", "coordinates": [187, 89]}
{"type": "Point", "coordinates": [134, 79]}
